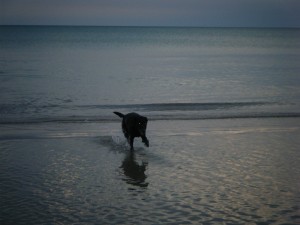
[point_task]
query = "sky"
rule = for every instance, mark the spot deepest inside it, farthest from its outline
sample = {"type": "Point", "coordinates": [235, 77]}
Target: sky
{"type": "Point", "coordinates": [199, 13]}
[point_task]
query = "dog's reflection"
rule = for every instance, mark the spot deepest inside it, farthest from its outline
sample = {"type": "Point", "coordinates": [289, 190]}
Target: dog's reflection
{"type": "Point", "coordinates": [134, 172]}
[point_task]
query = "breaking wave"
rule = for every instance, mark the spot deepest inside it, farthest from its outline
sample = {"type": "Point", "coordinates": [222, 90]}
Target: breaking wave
{"type": "Point", "coordinates": [11, 114]}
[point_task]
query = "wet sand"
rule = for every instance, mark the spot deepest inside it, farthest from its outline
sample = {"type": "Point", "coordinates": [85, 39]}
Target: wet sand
{"type": "Point", "coordinates": [235, 171]}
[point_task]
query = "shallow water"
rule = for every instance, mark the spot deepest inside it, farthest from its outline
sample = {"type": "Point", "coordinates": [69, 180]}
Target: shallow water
{"type": "Point", "coordinates": [235, 172]}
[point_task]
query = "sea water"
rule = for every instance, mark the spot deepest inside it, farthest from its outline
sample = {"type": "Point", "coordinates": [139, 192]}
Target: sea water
{"type": "Point", "coordinates": [82, 73]}
{"type": "Point", "coordinates": [223, 109]}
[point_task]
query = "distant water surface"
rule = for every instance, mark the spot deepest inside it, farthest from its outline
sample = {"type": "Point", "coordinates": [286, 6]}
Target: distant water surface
{"type": "Point", "coordinates": [81, 71]}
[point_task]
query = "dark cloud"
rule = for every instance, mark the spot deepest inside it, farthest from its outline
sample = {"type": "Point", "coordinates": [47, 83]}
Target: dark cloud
{"type": "Point", "coordinates": [152, 12]}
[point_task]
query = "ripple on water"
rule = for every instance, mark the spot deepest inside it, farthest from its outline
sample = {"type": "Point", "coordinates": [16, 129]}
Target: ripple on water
{"type": "Point", "coordinates": [212, 178]}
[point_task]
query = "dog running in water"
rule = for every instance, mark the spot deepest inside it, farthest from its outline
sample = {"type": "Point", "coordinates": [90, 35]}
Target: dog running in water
{"type": "Point", "coordinates": [134, 125]}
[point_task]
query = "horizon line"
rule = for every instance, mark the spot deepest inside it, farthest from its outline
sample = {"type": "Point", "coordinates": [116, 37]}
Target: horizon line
{"type": "Point", "coordinates": [150, 26]}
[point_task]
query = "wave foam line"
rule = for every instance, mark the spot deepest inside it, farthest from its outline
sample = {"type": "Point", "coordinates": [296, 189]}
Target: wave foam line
{"type": "Point", "coordinates": [103, 119]}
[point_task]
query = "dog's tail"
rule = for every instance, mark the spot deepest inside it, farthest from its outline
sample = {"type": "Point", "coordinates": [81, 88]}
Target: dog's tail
{"type": "Point", "coordinates": [119, 114]}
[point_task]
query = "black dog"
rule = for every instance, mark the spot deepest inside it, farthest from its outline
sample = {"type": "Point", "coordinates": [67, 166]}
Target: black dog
{"type": "Point", "coordinates": [134, 125]}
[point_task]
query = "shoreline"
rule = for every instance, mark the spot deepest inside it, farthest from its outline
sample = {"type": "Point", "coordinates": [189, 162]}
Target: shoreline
{"type": "Point", "coordinates": [157, 127]}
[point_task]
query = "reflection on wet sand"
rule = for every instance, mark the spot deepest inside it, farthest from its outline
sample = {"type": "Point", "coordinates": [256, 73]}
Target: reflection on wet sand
{"type": "Point", "coordinates": [133, 171]}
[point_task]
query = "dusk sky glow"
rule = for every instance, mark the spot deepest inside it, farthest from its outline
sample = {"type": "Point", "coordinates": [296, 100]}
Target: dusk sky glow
{"type": "Point", "coordinates": [199, 13]}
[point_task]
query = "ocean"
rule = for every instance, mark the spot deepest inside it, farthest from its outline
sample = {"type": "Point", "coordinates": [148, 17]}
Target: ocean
{"type": "Point", "coordinates": [223, 109]}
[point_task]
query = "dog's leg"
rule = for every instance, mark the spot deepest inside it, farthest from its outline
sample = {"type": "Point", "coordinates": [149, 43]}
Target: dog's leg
{"type": "Point", "coordinates": [145, 141]}
{"type": "Point", "coordinates": [126, 135]}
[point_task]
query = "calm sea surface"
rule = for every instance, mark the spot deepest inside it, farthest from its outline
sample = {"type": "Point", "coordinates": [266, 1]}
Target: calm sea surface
{"type": "Point", "coordinates": [81, 73]}
{"type": "Point", "coordinates": [223, 108]}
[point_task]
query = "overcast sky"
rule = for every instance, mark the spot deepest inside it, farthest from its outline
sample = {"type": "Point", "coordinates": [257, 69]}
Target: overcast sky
{"type": "Point", "coordinates": [207, 13]}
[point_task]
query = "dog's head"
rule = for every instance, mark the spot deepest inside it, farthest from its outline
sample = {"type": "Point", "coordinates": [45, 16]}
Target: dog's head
{"type": "Point", "coordinates": [142, 125]}
{"type": "Point", "coordinates": [142, 130]}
